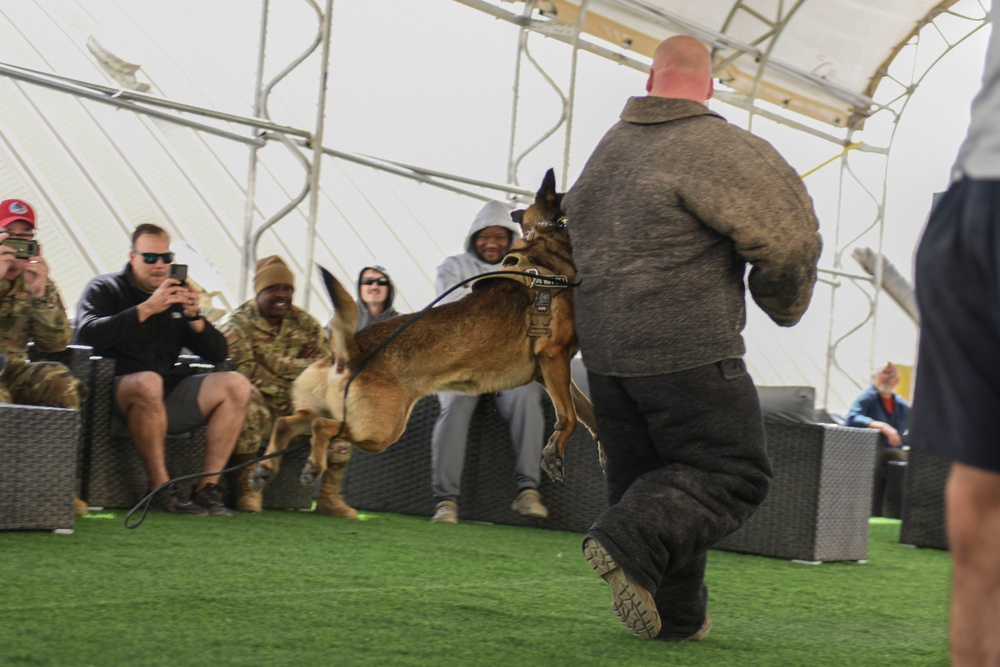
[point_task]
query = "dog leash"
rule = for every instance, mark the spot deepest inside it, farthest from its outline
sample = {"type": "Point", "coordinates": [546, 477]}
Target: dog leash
{"type": "Point", "coordinates": [145, 502]}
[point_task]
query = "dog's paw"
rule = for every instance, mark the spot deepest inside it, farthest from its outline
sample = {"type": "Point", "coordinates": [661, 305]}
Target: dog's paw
{"type": "Point", "coordinates": [260, 477]}
{"type": "Point", "coordinates": [552, 463]}
{"type": "Point", "coordinates": [309, 474]}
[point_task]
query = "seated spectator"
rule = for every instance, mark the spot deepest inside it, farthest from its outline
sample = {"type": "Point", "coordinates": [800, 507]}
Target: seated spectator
{"type": "Point", "coordinates": [142, 318]}
{"type": "Point", "coordinates": [490, 236]}
{"type": "Point", "coordinates": [271, 341]}
{"type": "Point", "coordinates": [880, 408]}
{"type": "Point", "coordinates": [31, 310]}
{"type": "Point", "coordinates": [375, 295]}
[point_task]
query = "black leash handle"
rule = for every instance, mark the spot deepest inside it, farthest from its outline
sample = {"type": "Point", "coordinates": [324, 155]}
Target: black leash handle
{"type": "Point", "coordinates": [145, 502]}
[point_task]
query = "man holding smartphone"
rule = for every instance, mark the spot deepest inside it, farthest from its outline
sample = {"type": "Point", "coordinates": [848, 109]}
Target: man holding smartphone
{"type": "Point", "coordinates": [31, 311]}
{"type": "Point", "coordinates": [142, 317]}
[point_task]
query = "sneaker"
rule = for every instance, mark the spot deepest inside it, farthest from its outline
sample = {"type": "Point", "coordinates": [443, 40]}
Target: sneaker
{"type": "Point", "coordinates": [209, 497]}
{"type": "Point", "coordinates": [170, 500]}
{"type": "Point", "coordinates": [445, 511]}
{"type": "Point", "coordinates": [633, 605]}
{"type": "Point", "coordinates": [529, 503]}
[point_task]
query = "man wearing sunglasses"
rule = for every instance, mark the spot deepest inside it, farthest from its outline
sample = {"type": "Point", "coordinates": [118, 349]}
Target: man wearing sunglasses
{"type": "Point", "coordinates": [375, 295]}
{"type": "Point", "coordinates": [143, 318]}
{"type": "Point", "coordinates": [31, 310]}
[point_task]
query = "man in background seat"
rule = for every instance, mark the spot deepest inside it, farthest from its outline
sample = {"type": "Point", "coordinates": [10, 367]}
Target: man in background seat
{"type": "Point", "coordinates": [32, 311]}
{"type": "Point", "coordinates": [271, 341]}
{"type": "Point", "coordinates": [879, 407]}
{"type": "Point", "coordinates": [490, 236]}
{"type": "Point", "coordinates": [142, 319]}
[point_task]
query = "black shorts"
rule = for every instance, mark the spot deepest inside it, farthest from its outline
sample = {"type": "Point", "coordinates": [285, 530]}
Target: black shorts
{"type": "Point", "coordinates": [183, 414]}
{"type": "Point", "coordinates": [956, 401]}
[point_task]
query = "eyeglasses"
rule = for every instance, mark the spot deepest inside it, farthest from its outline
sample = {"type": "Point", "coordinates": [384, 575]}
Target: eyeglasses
{"type": "Point", "coordinates": [151, 257]}
{"type": "Point", "coordinates": [375, 281]}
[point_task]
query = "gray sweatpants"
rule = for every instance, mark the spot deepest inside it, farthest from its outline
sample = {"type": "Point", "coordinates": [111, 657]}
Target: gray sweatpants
{"type": "Point", "coordinates": [521, 407]}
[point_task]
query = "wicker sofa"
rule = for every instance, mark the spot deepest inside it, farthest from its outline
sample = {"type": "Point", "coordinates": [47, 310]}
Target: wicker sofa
{"type": "Point", "coordinates": [38, 479]}
{"type": "Point", "coordinates": [42, 447]}
{"type": "Point", "coordinates": [820, 499]}
{"type": "Point", "coordinates": [113, 474]}
{"type": "Point", "coordinates": [923, 523]}
{"type": "Point", "coordinates": [399, 479]}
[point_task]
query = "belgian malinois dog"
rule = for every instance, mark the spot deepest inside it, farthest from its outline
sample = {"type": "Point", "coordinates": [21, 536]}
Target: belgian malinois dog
{"type": "Point", "coordinates": [510, 330]}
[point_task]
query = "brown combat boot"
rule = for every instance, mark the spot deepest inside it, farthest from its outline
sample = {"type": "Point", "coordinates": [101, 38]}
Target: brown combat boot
{"type": "Point", "coordinates": [330, 502]}
{"type": "Point", "coordinates": [247, 500]}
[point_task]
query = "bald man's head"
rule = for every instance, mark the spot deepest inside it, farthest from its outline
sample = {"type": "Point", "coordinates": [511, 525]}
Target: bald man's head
{"type": "Point", "coordinates": [682, 67]}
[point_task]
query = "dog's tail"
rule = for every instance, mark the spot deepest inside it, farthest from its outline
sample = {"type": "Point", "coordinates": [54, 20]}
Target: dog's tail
{"type": "Point", "coordinates": [345, 320]}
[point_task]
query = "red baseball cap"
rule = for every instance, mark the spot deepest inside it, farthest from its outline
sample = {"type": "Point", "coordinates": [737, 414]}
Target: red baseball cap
{"type": "Point", "coordinates": [12, 210]}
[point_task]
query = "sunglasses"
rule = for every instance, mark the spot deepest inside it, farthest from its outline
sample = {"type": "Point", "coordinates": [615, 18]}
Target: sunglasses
{"type": "Point", "coordinates": [151, 257]}
{"type": "Point", "coordinates": [375, 281]}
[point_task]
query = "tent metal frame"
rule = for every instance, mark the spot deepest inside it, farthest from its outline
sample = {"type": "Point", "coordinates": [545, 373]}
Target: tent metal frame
{"type": "Point", "coordinates": [307, 146]}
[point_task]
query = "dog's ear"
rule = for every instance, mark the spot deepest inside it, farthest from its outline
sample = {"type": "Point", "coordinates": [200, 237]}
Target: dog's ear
{"type": "Point", "coordinates": [547, 193]}
{"type": "Point", "coordinates": [328, 281]}
{"type": "Point", "coordinates": [518, 217]}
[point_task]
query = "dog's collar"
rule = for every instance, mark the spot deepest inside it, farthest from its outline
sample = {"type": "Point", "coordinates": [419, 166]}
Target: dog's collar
{"type": "Point", "coordinates": [541, 281]}
{"type": "Point", "coordinates": [518, 267]}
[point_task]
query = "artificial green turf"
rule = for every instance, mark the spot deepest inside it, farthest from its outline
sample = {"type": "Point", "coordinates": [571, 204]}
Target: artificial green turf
{"type": "Point", "coordinates": [292, 588]}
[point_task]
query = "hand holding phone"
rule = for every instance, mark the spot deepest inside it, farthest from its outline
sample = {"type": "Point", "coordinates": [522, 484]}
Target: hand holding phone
{"type": "Point", "coordinates": [179, 272]}
{"type": "Point", "coordinates": [24, 249]}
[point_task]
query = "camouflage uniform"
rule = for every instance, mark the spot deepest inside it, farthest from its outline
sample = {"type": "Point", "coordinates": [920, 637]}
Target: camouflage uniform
{"type": "Point", "coordinates": [271, 357]}
{"type": "Point", "coordinates": [23, 319]}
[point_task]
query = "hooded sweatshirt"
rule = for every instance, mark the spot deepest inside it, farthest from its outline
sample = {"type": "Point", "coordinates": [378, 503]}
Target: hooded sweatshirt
{"type": "Point", "coordinates": [457, 268]}
{"type": "Point", "coordinates": [364, 317]}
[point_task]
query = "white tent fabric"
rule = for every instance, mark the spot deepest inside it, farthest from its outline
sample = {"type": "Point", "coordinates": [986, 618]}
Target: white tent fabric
{"type": "Point", "coordinates": [819, 58]}
{"type": "Point", "coordinates": [397, 89]}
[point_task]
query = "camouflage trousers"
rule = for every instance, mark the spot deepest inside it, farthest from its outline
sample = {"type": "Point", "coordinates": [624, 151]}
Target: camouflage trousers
{"type": "Point", "coordinates": [260, 420]}
{"type": "Point", "coordinates": [45, 383]}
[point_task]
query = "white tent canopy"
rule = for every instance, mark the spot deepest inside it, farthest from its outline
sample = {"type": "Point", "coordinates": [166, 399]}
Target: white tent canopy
{"type": "Point", "coordinates": [195, 116]}
{"type": "Point", "coordinates": [819, 58]}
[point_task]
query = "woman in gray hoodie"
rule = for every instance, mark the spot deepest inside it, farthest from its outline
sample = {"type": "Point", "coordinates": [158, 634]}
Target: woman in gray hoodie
{"type": "Point", "coordinates": [375, 295]}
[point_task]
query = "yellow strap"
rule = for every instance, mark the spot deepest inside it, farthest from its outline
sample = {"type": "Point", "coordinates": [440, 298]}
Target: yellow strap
{"type": "Point", "coordinates": [842, 153]}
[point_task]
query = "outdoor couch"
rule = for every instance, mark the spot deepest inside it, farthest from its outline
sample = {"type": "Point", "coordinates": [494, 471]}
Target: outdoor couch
{"type": "Point", "coordinates": [113, 474]}
{"type": "Point", "coordinates": [41, 446]}
{"type": "Point", "coordinates": [820, 497]}
{"type": "Point", "coordinates": [399, 479]}
{"type": "Point", "coordinates": [923, 521]}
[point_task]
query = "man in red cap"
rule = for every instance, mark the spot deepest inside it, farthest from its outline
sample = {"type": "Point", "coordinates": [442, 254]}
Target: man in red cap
{"type": "Point", "coordinates": [31, 310]}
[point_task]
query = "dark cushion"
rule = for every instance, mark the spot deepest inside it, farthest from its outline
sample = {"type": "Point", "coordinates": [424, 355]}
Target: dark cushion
{"type": "Point", "coordinates": [793, 404]}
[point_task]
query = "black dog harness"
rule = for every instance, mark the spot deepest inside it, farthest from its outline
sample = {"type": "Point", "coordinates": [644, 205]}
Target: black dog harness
{"type": "Point", "coordinates": [541, 281]}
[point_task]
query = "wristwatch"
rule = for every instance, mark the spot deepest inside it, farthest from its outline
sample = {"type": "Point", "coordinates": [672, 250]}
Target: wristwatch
{"type": "Point", "coordinates": [194, 318]}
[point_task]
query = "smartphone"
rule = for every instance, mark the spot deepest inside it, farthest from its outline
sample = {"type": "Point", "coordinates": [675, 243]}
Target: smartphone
{"type": "Point", "coordinates": [179, 271]}
{"type": "Point", "coordinates": [23, 249]}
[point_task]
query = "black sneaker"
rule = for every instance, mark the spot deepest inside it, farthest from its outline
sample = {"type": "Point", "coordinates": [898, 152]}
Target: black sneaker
{"type": "Point", "coordinates": [209, 498]}
{"type": "Point", "coordinates": [170, 500]}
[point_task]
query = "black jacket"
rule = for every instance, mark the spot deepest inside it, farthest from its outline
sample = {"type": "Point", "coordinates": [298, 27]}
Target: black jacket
{"type": "Point", "coordinates": [107, 320]}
